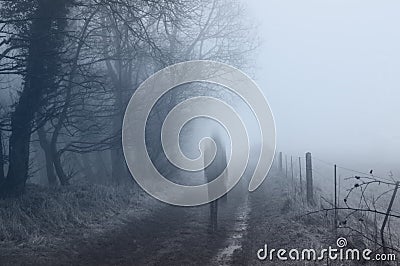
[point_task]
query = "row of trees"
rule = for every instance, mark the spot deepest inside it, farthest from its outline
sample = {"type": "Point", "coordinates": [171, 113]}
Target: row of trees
{"type": "Point", "coordinates": [69, 67]}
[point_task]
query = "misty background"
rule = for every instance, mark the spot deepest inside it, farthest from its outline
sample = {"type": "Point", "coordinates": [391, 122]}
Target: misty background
{"type": "Point", "coordinates": [330, 71]}
{"type": "Point", "coordinates": [69, 67]}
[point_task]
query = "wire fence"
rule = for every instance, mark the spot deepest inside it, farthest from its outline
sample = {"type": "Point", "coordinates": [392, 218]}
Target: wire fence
{"type": "Point", "coordinates": [359, 201]}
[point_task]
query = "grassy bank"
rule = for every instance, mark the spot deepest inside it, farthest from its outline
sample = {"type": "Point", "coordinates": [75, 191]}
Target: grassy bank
{"type": "Point", "coordinates": [45, 213]}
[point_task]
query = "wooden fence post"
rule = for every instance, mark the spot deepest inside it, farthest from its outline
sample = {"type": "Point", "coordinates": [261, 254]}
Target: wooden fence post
{"type": "Point", "coordinates": [291, 168]}
{"type": "Point", "coordinates": [286, 166]}
{"type": "Point", "coordinates": [385, 249]}
{"type": "Point", "coordinates": [301, 179]}
{"type": "Point", "coordinates": [280, 162]}
{"type": "Point", "coordinates": [309, 179]}
{"type": "Point", "coordinates": [335, 199]}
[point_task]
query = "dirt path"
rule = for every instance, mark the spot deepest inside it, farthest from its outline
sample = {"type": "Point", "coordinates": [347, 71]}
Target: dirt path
{"type": "Point", "coordinates": [235, 236]}
{"type": "Point", "coordinates": [273, 222]}
{"type": "Point", "coordinates": [167, 235]}
{"type": "Point", "coordinates": [171, 235]}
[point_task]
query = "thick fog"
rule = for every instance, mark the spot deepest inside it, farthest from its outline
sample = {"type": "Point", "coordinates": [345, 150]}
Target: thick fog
{"type": "Point", "coordinates": [330, 70]}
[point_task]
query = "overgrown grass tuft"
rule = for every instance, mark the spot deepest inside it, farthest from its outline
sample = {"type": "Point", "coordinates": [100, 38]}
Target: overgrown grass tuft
{"type": "Point", "coordinates": [48, 212]}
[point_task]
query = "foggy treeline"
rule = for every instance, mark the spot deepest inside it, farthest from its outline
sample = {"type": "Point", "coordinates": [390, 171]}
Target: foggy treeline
{"type": "Point", "coordinates": [68, 69]}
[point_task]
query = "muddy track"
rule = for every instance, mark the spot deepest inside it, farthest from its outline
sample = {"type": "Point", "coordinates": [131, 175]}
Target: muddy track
{"type": "Point", "coordinates": [168, 235]}
{"type": "Point", "coordinates": [171, 236]}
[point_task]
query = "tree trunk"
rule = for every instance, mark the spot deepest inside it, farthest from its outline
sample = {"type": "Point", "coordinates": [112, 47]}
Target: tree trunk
{"type": "Point", "coordinates": [1, 159]}
{"type": "Point", "coordinates": [18, 151]}
{"type": "Point", "coordinates": [120, 74]}
{"type": "Point", "coordinates": [102, 173]}
{"type": "Point", "coordinates": [118, 166]}
{"type": "Point", "coordinates": [45, 145]}
{"type": "Point", "coordinates": [64, 179]}
{"type": "Point", "coordinates": [56, 155]}
{"type": "Point", "coordinates": [40, 71]}
{"type": "Point", "coordinates": [88, 168]}
{"type": "Point", "coordinates": [119, 170]}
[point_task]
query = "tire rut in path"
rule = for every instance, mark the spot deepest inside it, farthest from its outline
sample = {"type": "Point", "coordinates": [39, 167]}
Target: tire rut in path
{"type": "Point", "coordinates": [170, 236]}
{"type": "Point", "coordinates": [235, 237]}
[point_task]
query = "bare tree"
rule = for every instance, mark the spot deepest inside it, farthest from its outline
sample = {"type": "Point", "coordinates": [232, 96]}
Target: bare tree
{"type": "Point", "coordinates": [77, 84]}
{"type": "Point", "coordinates": [1, 157]}
{"type": "Point", "coordinates": [43, 42]}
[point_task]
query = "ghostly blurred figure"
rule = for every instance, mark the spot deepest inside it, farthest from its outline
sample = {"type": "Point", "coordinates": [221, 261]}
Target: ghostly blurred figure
{"type": "Point", "coordinates": [221, 165]}
{"type": "Point", "coordinates": [211, 172]}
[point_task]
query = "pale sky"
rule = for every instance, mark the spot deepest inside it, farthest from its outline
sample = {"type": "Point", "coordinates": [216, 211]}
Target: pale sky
{"type": "Point", "coordinates": [331, 72]}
